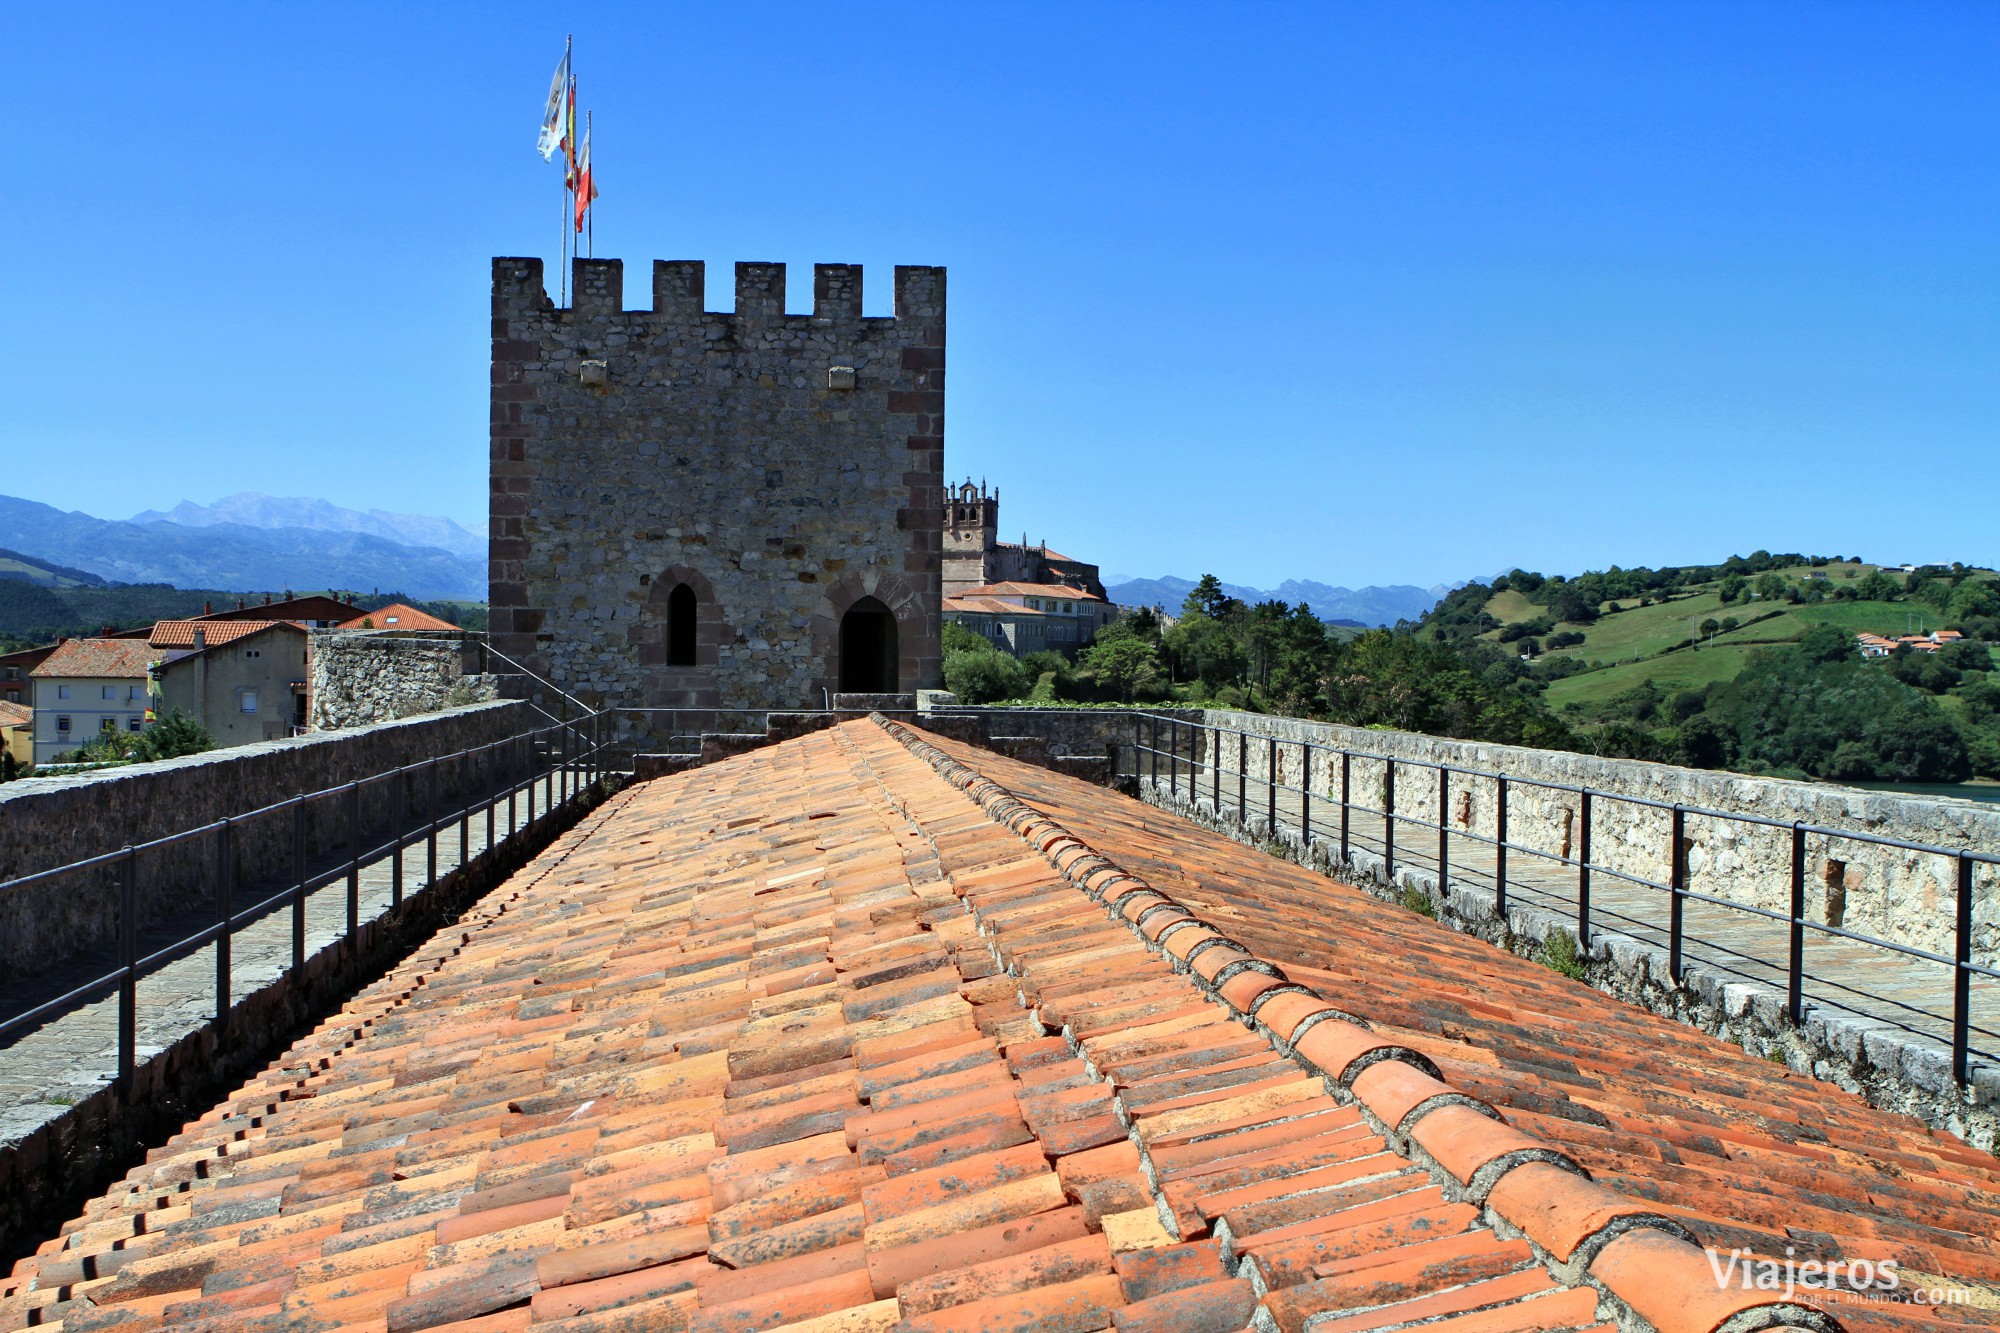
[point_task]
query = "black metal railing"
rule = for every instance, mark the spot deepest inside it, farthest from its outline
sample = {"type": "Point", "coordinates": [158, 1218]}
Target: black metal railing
{"type": "Point", "coordinates": [1182, 756]}
{"type": "Point", "coordinates": [551, 765]}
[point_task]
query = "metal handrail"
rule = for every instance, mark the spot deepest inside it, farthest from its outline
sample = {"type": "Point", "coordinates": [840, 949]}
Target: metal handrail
{"type": "Point", "coordinates": [1180, 753]}
{"type": "Point", "coordinates": [568, 757]}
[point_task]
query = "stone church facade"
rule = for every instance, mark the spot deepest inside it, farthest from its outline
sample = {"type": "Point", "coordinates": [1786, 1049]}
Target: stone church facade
{"type": "Point", "coordinates": [717, 510]}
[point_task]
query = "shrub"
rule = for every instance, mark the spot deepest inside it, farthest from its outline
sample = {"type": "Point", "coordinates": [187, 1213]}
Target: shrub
{"type": "Point", "coordinates": [984, 676]}
{"type": "Point", "coordinates": [1560, 955]}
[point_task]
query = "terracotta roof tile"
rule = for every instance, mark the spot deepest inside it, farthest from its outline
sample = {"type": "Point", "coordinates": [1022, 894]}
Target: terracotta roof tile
{"type": "Point", "coordinates": [76, 659]}
{"type": "Point", "coordinates": [180, 633]}
{"type": "Point", "coordinates": [842, 1035]}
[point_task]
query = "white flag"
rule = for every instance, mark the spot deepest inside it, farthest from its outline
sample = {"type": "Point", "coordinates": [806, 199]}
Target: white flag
{"type": "Point", "coordinates": [552, 115]}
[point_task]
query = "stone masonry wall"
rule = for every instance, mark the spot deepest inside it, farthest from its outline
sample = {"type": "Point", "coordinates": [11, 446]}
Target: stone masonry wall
{"type": "Point", "coordinates": [361, 676]}
{"type": "Point", "coordinates": [49, 822]}
{"type": "Point", "coordinates": [784, 467]}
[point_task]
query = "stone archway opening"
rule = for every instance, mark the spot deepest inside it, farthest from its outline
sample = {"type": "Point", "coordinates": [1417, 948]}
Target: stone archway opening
{"type": "Point", "coordinates": [868, 649]}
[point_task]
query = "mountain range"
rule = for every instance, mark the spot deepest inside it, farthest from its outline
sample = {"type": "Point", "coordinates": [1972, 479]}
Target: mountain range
{"type": "Point", "coordinates": [1333, 604]}
{"type": "Point", "coordinates": [245, 556]}
{"type": "Point", "coordinates": [251, 510]}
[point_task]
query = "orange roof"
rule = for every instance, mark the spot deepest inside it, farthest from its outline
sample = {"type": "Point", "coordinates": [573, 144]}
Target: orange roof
{"type": "Point", "coordinates": [842, 1035]}
{"type": "Point", "coordinates": [15, 715]}
{"type": "Point", "coordinates": [990, 606]}
{"type": "Point", "coordinates": [1030, 590]}
{"type": "Point", "coordinates": [83, 659]}
{"type": "Point", "coordinates": [180, 633]}
{"type": "Point", "coordinates": [398, 615]}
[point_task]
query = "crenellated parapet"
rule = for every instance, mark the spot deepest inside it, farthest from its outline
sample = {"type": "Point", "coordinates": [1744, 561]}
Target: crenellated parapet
{"type": "Point", "coordinates": [794, 461]}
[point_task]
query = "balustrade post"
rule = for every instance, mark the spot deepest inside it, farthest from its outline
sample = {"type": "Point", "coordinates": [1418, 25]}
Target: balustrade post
{"type": "Point", "coordinates": [1243, 778]}
{"type": "Point", "coordinates": [298, 885]}
{"type": "Point", "coordinates": [431, 825]}
{"type": "Point", "coordinates": [1346, 780]}
{"type": "Point", "coordinates": [464, 810]}
{"type": "Point", "coordinates": [1214, 735]}
{"type": "Point", "coordinates": [1444, 828]}
{"type": "Point", "coordinates": [1305, 798]}
{"type": "Point", "coordinates": [353, 862]}
{"type": "Point", "coordinates": [1271, 786]}
{"type": "Point", "coordinates": [225, 869]}
{"type": "Point", "coordinates": [1583, 877]}
{"type": "Point", "coordinates": [401, 815]}
{"type": "Point", "coordinates": [1500, 849]}
{"type": "Point", "coordinates": [128, 968]}
{"type": "Point", "coordinates": [1389, 820]}
{"type": "Point", "coordinates": [1676, 889]}
{"type": "Point", "coordinates": [1795, 954]}
{"type": "Point", "coordinates": [1961, 977]}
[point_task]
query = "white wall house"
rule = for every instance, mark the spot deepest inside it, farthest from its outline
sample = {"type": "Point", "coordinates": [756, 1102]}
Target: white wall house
{"type": "Point", "coordinates": [88, 686]}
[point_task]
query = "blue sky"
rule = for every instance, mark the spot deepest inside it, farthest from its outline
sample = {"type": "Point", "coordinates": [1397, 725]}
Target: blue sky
{"type": "Point", "coordinates": [1371, 293]}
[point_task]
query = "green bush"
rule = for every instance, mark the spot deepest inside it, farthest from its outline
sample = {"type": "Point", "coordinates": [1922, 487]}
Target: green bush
{"type": "Point", "coordinates": [980, 677]}
{"type": "Point", "coordinates": [1560, 955]}
{"type": "Point", "coordinates": [172, 736]}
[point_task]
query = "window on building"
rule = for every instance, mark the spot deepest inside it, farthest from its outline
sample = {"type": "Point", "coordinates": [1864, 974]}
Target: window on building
{"type": "Point", "coordinates": [62, 691]}
{"type": "Point", "coordinates": [62, 724]}
{"type": "Point", "coordinates": [253, 652]}
{"type": "Point", "coordinates": [107, 724]}
{"type": "Point", "coordinates": [681, 611]}
{"type": "Point", "coordinates": [136, 692]}
{"type": "Point", "coordinates": [392, 620]}
{"type": "Point", "coordinates": [111, 691]}
{"type": "Point", "coordinates": [134, 723]}
{"type": "Point", "coordinates": [249, 704]}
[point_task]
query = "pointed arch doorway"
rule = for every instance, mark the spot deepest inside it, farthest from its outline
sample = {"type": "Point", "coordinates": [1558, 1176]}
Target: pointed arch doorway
{"type": "Point", "coordinates": [868, 649]}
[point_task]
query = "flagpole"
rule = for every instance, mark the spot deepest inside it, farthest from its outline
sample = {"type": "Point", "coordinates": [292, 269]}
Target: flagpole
{"type": "Point", "coordinates": [569, 63]}
{"type": "Point", "coordinates": [589, 213]}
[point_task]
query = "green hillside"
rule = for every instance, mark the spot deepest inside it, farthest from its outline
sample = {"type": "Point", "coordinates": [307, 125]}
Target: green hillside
{"type": "Point", "coordinates": [1737, 664]}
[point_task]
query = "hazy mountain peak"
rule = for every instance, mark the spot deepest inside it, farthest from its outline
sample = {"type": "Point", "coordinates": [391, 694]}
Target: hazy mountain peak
{"type": "Point", "coordinates": [1367, 606]}
{"type": "Point", "coordinates": [254, 510]}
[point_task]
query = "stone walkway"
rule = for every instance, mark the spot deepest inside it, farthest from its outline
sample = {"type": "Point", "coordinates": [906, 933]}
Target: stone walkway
{"type": "Point", "coordinates": [1912, 994]}
{"type": "Point", "coordinates": [46, 1069]}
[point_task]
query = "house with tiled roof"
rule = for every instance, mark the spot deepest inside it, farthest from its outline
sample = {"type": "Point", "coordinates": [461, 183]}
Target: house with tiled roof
{"type": "Point", "coordinates": [15, 670]}
{"type": "Point", "coordinates": [871, 1030]}
{"type": "Point", "coordinates": [975, 556]}
{"type": "Point", "coordinates": [243, 680]}
{"type": "Point", "coordinates": [89, 686]}
{"type": "Point", "coordinates": [398, 616]}
{"type": "Point", "coordinates": [1022, 618]}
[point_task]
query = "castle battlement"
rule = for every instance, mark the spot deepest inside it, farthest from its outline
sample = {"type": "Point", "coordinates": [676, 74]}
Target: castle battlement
{"type": "Point", "coordinates": [597, 289]}
{"type": "Point", "coordinates": [699, 508]}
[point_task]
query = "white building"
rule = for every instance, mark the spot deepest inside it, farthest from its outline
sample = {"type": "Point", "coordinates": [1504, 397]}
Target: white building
{"type": "Point", "coordinates": [88, 686]}
{"type": "Point", "coordinates": [1023, 618]}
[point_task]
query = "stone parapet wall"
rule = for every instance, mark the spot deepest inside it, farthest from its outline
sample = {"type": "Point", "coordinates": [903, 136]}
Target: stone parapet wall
{"type": "Point", "coordinates": [50, 822]}
{"type": "Point", "coordinates": [361, 677]}
{"type": "Point", "coordinates": [1885, 892]}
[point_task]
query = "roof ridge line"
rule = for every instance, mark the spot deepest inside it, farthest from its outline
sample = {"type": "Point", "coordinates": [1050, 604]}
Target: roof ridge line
{"type": "Point", "coordinates": [1584, 1233]}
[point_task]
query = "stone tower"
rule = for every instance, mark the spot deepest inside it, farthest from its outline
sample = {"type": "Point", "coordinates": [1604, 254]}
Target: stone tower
{"type": "Point", "coordinates": [702, 509]}
{"type": "Point", "coordinates": [971, 533]}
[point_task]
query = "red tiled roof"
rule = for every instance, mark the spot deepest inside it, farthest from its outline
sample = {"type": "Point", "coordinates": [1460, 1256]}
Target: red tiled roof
{"type": "Point", "coordinates": [398, 615]}
{"type": "Point", "coordinates": [100, 658]}
{"type": "Point", "coordinates": [1030, 590]}
{"type": "Point", "coordinates": [180, 633]}
{"type": "Point", "coordinates": [990, 606]}
{"type": "Point", "coordinates": [15, 715]}
{"type": "Point", "coordinates": [843, 1035]}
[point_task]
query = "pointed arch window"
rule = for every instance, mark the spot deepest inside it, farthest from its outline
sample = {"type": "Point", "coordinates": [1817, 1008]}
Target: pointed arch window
{"type": "Point", "coordinates": [680, 627]}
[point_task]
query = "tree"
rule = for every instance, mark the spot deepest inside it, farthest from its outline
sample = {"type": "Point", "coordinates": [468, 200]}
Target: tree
{"type": "Point", "coordinates": [1732, 587]}
{"type": "Point", "coordinates": [1126, 664]}
{"type": "Point", "coordinates": [956, 638]}
{"type": "Point", "coordinates": [172, 736]}
{"type": "Point", "coordinates": [1772, 586]}
{"type": "Point", "coordinates": [1710, 627]}
{"type": "Point", "coordinates": [982, 676]}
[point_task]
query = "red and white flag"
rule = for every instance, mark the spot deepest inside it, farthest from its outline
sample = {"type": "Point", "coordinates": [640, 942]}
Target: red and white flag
{"type": "Point", "coordinates": [586, 187]}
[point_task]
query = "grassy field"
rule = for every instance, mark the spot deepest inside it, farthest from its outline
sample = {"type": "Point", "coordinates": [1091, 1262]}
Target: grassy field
{"type": "Point", "coordinates": [1889, 618]}
{"type": "Point", "coordinates": [1678, 671]}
